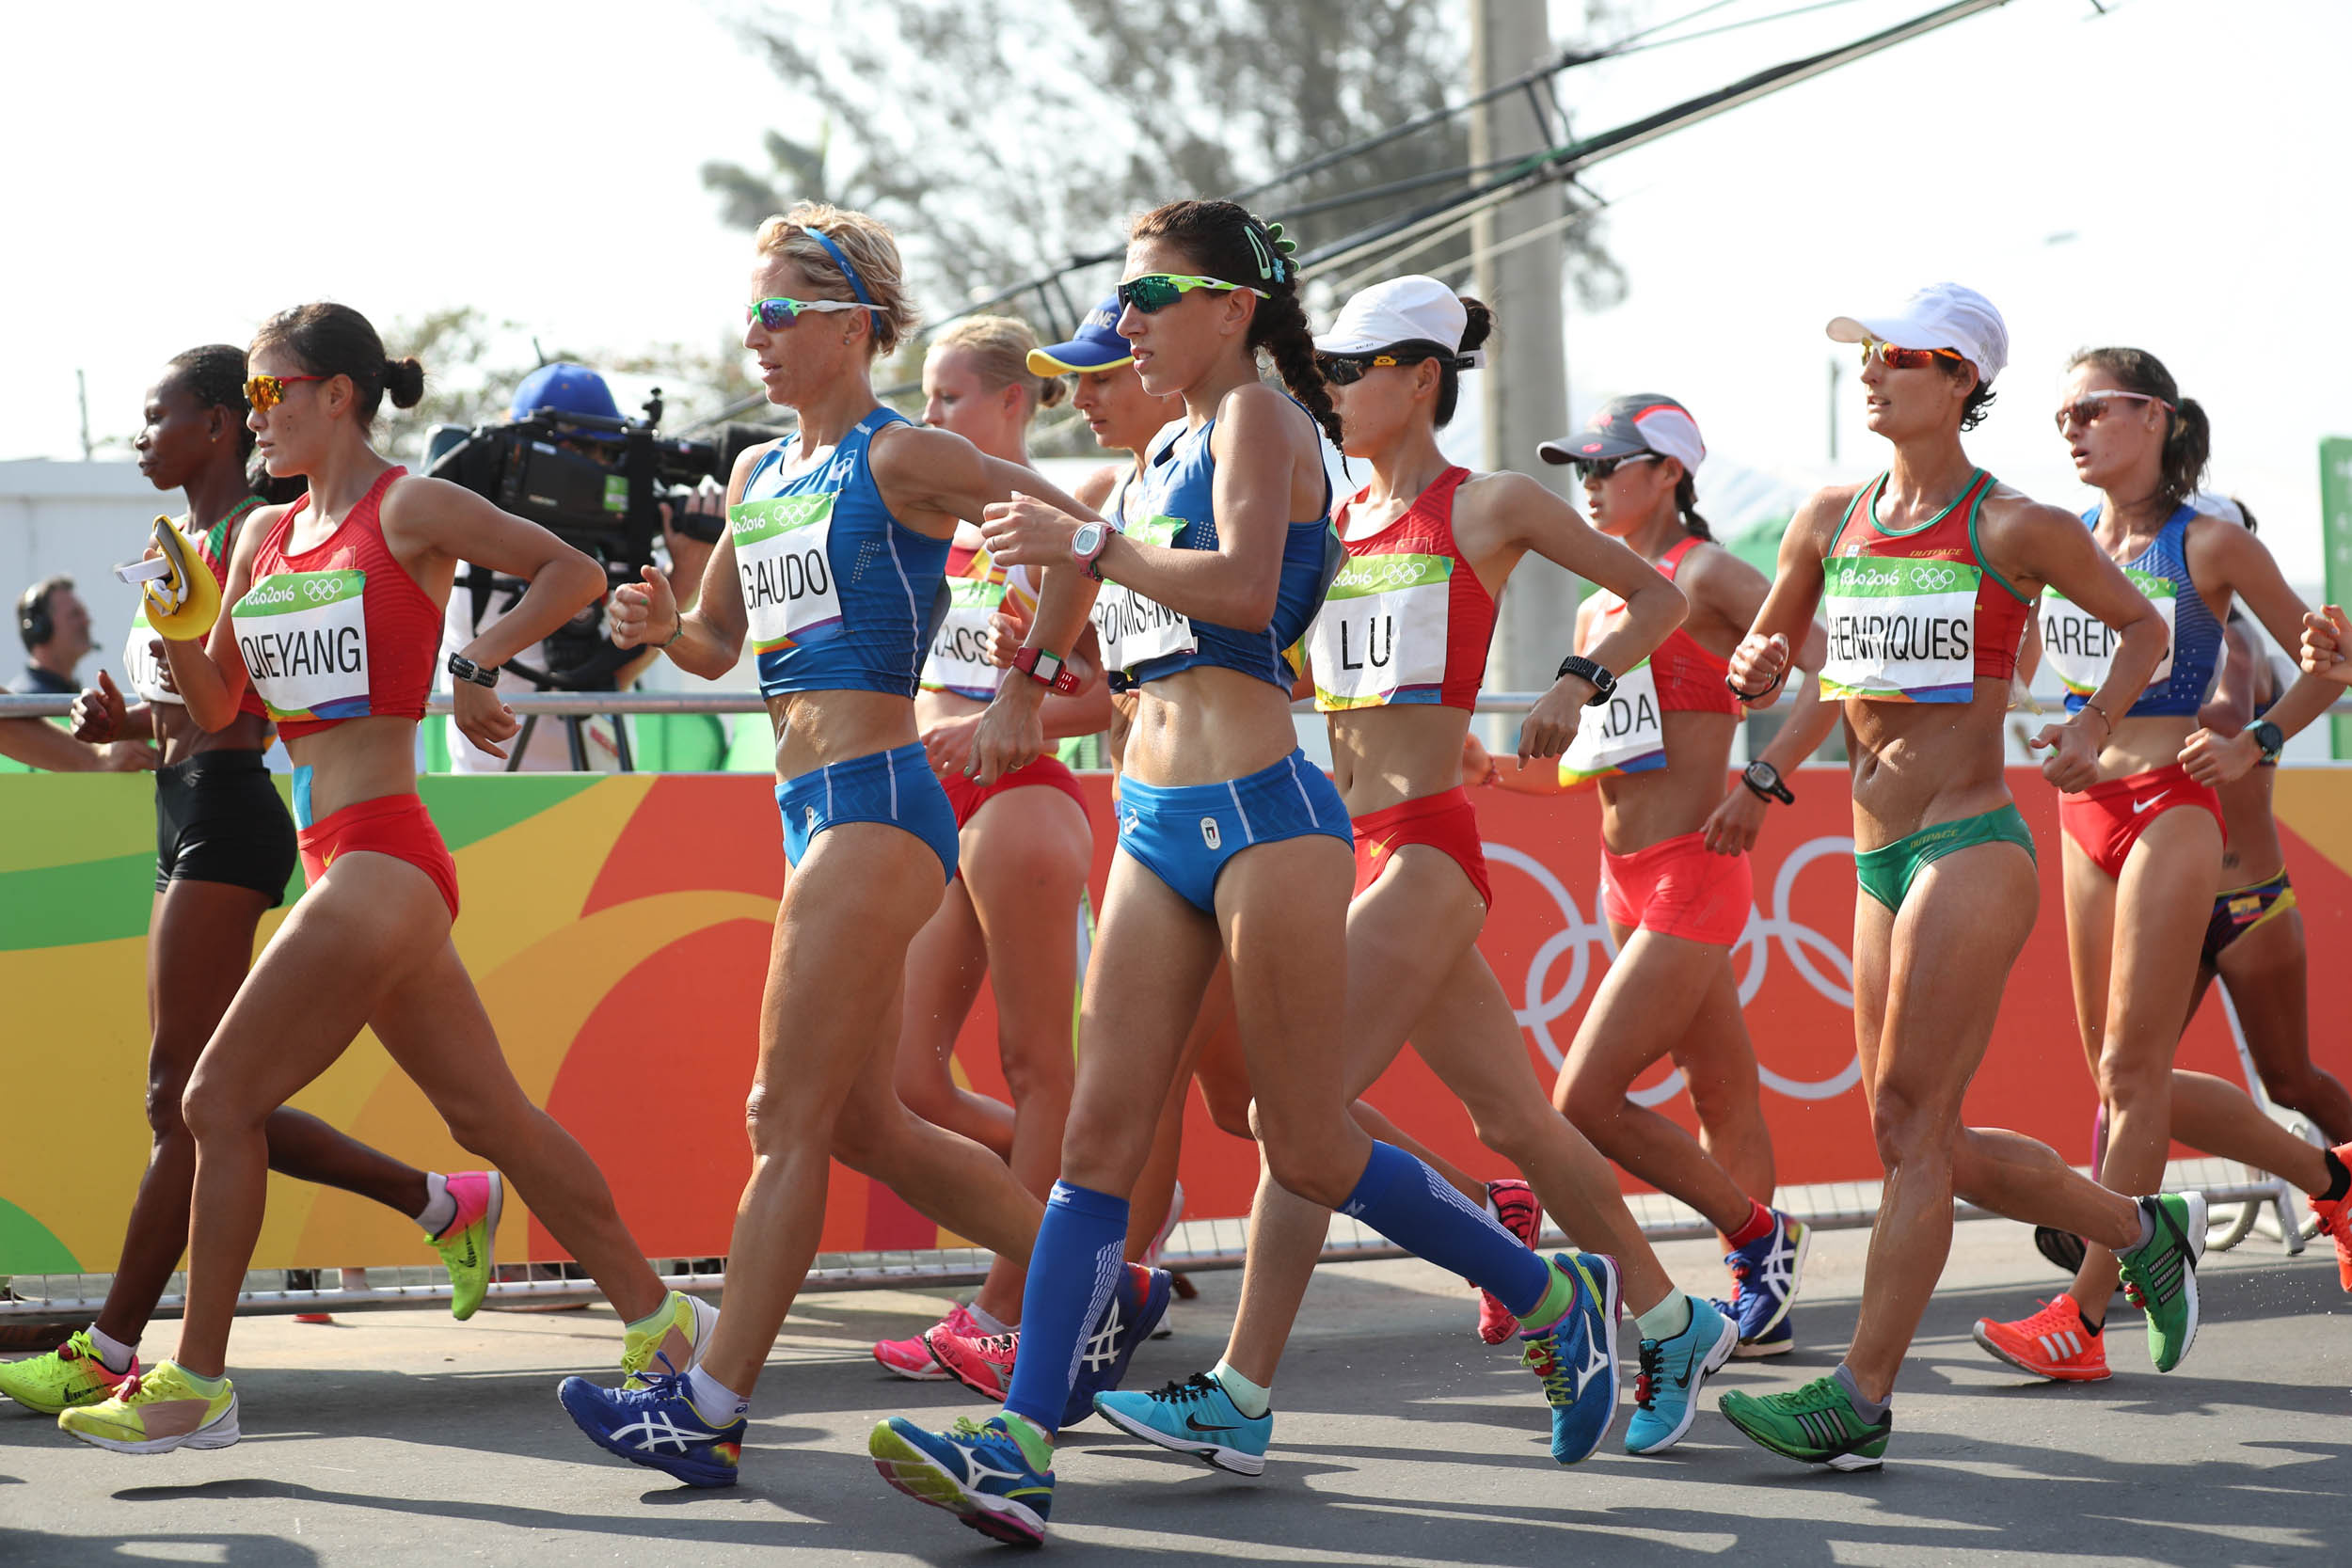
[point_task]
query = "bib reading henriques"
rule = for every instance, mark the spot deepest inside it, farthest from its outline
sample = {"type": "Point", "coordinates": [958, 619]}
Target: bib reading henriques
{"type": "Point", "coordinates": [1901, 629]}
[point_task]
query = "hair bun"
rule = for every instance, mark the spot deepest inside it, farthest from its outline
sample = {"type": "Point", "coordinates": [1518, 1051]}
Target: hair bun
{"type": "Point", "coordinates": [1481, 323]}
{"type": "Point", "coordinates": [403, 381]}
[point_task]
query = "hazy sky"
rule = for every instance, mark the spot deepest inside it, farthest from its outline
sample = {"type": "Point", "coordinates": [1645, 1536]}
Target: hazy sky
{"type": "Point", "coordinates": [2168, 175]}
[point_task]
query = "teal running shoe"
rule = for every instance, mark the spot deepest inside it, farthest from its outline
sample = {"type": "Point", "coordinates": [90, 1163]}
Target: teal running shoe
{"type": "Point", "coordinates": [2161, 1278]}
{"type": "Point", "coordinates": [1666, 1394]}
{"type": "Point", "coordinates": [1815, 1424]}
{"type": "Point", "coordinates": [1576, 1357]}
{"type": "Point", "coordinates": [1194, 1416]}
{"type": "Point", "coordinates": [976, 1473]}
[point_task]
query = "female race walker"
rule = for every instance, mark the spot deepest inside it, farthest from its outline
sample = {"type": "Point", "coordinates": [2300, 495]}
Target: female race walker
{"type": "Point", "coordinates": [332, 613]}
{"type": "Point", "coordinates": [835, 559]}
{"type": "Point", "coordinates": [1673, 882]}
{"type": "Point", "coordinates": [2144, 842]}
{"type": "Point", "coordinates": [1229, 841]}
{"type": "Point", "coordinates": [1928, 573]}
{"type": "Point", "coordinates": [1024, 844]}
{"type": "Point", "coordinates": [1397, 654]}
{"type": "Point", "coordinates": [224, 849]}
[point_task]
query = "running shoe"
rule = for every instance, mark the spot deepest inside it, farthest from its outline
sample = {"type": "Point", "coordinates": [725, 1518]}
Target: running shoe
{"type": "Point", "coordinates": [1194, 1416]}
{"type": "Point", "coordinates": [155, 1412]}
{"type": "Point", "coordinates": [2161, 1278]}
{"type": "Point", "coordinates": [912, 1358]}
{"type": "Point", "coordinates": [672, 1346]}
{"type": "Point", "coordinates": [70, 1375]}
{"type": "Point", "coordinates": [1576, 1357]}
{"type": "Point", "coordinates": [2061, 1248]}
{"type": "Point", "coordinates": [1815, 1424]}
{"type": "Point", "coordinates": [1136, 1307]}
{"type": "Point", "coordinates": [981, 1362]}
{"type": "Point", "coordinates": [469, 1242]}
{"type": "Point", "coordinates": [1764, 1275]}
{"type": "Point", "coordinates": [976, 1473]}
{"type": "Point", "coordinates": [2053, 1343]}
{"type": "Point", "coordinates": [1513, 1204]}
{"type": "Point", "coordinates": [651, 1422]}
{"type": "Point", "coordinates": [1779, 1340]}
{"type": "Point", "coordinates": [1666, 1394]}
{"type": "Point", "coordinates": [2335, 1221]}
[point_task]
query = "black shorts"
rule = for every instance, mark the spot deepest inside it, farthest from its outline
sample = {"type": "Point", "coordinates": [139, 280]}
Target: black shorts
{"type": "Point", "coordinates": [218, 818]}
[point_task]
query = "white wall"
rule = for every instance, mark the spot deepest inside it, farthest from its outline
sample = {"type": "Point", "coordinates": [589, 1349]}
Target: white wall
{"type": "Point", "coordinates": [79, 518]}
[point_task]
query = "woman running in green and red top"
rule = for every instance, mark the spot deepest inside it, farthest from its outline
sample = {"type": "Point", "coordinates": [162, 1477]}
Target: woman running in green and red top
{"type": "Point", "coordinates": [1928, 574]}
{"type": "Point", "coordinates": [1675, 883]}
{"type": "Point", "coordinates": [2144, 842]}
{"type": "Point", "coordinates": [333, 614]}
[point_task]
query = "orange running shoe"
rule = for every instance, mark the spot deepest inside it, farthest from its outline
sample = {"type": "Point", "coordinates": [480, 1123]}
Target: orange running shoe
{"type": "Point", "coordinates": [2335, 1221]}
{"type": "Point", "coordinates": [2052, 1343]}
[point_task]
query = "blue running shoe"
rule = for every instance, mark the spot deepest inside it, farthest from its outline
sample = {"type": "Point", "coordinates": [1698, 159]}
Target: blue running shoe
{"type": "Point", "coordinates": [1136, 1307]}
{"type": "Point", "coordinates": [976, 1473]}
{"type": "Point", "coordinates": [656, 1426]}
{"type": "Point", "coordinates": [1764, 1275]}
{"type": "Point", "coordinates": [1194, 1416]}
{"type": "Point", "coordinates": [1667, 1394]}
{"type": "Point", "coordinates": [1576, 1357]}
{"type": "Point", "coordinates": [1779, 1340]}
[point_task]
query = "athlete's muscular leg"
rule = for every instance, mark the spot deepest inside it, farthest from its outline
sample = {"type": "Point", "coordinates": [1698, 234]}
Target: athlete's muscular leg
{"type": "Point", "coordinates": [945, 964]}
{"type": "Point", "coordinates": [2265, 972]}
{"type": "Point", "coordinates": [1718, 1063]}
{"type": "Point", "coordinates": [1380, 1127]}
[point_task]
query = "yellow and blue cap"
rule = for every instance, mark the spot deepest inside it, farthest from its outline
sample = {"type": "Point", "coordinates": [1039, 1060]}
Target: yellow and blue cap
{"type": "Point", "coordinates": [1097, 346]}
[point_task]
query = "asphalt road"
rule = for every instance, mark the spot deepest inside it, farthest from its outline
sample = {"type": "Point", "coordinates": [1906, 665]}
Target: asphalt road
{"type": "Point", "coordinates": [399, 1437]}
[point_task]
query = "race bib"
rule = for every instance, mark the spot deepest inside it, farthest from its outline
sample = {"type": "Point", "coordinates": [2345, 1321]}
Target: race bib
{"type": "Point", "coordinates": [958, 660]}
{"type": "Point", "coordinates": [780, 558]}
{"type": "Point", "coordinates": [1132, 628]}
{"type": "Point", "coordinates": [1381, 636]}
{"type": "Point", "coordinates": [1625, 734]}
{"type": "Point", "coordinates": [1900, 629]}
{"type": "Point", "coordinates": [305, 640]}
{"type": "Point", "coordinates": [140, 666]}
{"type": "Point", "coordinates": [2080, 647]}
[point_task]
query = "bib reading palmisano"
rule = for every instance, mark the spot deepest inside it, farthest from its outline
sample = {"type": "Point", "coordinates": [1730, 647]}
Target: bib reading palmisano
{"type": "Point", "coordinates": [1381, 636]}
{"type": "Point", "coordinates": [1901, 629]}
{"type": "Point", "coordinates": [1132, 628]}
{"type": "Point", "coordinates": [2080, 647]}
{"type": "Point", "coordinates": [782, 560]}
{"type": "Point", "coordinates": [1625, 734]}
{"type": "Point", "coordinates": [305, 640]}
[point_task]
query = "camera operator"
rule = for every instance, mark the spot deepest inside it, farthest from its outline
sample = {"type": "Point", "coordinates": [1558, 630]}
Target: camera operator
{"type": "Point", "coordinates": [477, 598]}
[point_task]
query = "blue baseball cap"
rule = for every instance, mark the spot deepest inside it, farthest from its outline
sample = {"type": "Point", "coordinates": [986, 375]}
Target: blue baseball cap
{"type": "Point", "coordinates": [1098, 346]}
{"type": "Point", "coordinates": [564, 388]}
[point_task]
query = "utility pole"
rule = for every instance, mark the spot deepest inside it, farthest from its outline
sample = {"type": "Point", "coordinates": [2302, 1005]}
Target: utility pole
{"type": "Point", "coordinates": [1524, 389]}
{"type": "Point", "coordinates": [81, 394]}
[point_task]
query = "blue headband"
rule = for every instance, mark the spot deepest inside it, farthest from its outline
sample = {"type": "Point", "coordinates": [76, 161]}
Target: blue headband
{"type": "Point", "coordinates": [843, 263]}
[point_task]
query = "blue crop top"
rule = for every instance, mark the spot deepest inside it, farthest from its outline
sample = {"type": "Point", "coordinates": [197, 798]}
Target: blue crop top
{"type": "Point", "coordinates": [1144, 641]}
{"type": "Point", "coordinates": [840, 596]}
{"type": "Point", "coordinates": [2161, 572]}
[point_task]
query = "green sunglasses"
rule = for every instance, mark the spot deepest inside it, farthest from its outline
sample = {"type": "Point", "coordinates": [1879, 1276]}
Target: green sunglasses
{"type": "Point", "coordinates": [776, 314]}
{"type": "Point", "coordinates": [1155, 292]}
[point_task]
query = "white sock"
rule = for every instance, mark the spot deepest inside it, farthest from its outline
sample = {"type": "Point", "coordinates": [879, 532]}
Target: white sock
{"type": "Point", "coordinates": [989, 1322]}
{"type": "Point", "coordinates": [717, 1405]}
{"type": "Point", "coordinates": [1670, 1317]}
{"type": "Point", "coordinates": [440, 1207]}
{"type": "Point", "coordinates": [1250, 1399]}
{"type": "Point", "coordinates": [112, 1352]}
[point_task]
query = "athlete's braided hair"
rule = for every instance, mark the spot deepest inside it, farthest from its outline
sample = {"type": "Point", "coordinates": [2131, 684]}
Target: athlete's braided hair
{"type": "Point", "coordinates": [2187, 434]}
{"type": "Point", "coordinates": [215, 377]}
{"type": "Point", "coordinates": [1228, 242]}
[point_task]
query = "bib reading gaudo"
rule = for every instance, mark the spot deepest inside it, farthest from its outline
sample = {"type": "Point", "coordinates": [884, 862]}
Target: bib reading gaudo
{"type": "Point", "coordinates": [782, 560]}
{"type": "Point", "coordinates": [2081, 647]}
{"type": "Point", "coordinates": [1381, 636]}
{"type": "Point", "coordinates": [1901, 629]}
{"type": "Point", "coordinates": [305, 640]}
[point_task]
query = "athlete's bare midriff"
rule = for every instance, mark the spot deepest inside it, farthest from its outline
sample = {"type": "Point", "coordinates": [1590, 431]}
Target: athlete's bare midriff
{"type": "Point", "coordinates": [816, 729]}
{"type": "Point", "coordinates": [1205, 725]}
{"type": "Point", "coordinates": [1638, 810]}
{"type": "Point", "coordinates": [2253, 853]}
{"type": "Point", "coordinates": [1384, 756]}
{"type": "Point", "coordinates": [2144, 744]}
{"type": "Point", "coordinates": [1916, 764]}
{"type": "Point", "coordinates": [933, 708]}
{"type": "Point", "coordinates": [359, 759]}
{"type": "Point", "coordinates": [180, 737]}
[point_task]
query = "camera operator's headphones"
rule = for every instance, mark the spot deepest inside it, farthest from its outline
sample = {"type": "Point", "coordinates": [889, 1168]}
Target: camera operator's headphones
{"type": "Point", "coordinates": [34, 623]}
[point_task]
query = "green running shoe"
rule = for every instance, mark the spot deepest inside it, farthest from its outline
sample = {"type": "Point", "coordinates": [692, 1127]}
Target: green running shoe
{"type": "Point", "coordinates": [2161, 1278]}
{"type": "Point", "coordinates": [1815, 1424]}
{"type": "Point", "coordinates": [469, 1242]}
{"type": "Point", "coordinates": [67, 1377]}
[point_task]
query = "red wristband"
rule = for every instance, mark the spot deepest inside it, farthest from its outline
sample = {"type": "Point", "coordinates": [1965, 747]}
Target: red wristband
{"type": "Point", "coordinates": [1049, 670]}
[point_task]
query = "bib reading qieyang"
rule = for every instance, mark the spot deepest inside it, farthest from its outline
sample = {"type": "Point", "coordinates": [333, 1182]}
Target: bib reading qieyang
{"type": "Point", "coordinates": [1133, 629]}
{"type": "Point", "coordinates": [1381, 636]}
{"type": "Point", "coordinates": [305, 642]}
{"type": "Point", "coordinates": [2081, 647]}
{"type": "Point", "coordinates": [781, 557]}
{"type": "Point", "coordinates": [1900, 629]}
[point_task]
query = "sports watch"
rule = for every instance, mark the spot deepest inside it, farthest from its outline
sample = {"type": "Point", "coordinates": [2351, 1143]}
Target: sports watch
{"type": "Point", "coordinates": [1604, 684]}
{"type": "Point", "coordinates": [1086, 547]}
{"type": "Point", "coordinates": [1049, 670]}
{"type": "Point", "coordinates": [1763, 779]}
{"type": "Point", "coordinates": [2270, 738]}
{"type": "Point", "coordinates": [465, 669]}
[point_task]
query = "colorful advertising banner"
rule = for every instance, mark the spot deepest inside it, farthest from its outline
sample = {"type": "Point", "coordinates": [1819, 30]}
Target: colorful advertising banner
{"type": "Point", "coordinates": [618, 930]}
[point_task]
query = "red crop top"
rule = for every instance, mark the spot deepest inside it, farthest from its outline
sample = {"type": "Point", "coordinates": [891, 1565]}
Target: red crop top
{"type": "Point", "coordinates": [1407, 619]}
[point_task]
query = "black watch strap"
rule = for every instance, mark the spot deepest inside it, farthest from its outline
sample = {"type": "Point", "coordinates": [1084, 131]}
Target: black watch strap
{"type": "Point", "coordinates": [2271, 738]}
{"type": "Point", "coordinates": [463, 669]}
{"type": "Point", "coordinates": [1604, 684]}
{"type": "Point", "coordinates": [1764, 781]}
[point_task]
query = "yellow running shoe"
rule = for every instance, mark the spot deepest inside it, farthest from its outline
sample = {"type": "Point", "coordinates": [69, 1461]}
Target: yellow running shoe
{"type": "Point", "coordinates": [155, 1413]}
{"type": "Point", "coordinates": [469, 1242]}
{"type": "Point", "coordinates": [70, 1375]}
{"type": "Point", "coordinates": [668, 1342]}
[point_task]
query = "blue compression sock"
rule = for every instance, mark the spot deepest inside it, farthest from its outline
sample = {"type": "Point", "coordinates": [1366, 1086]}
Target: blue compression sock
{"type": "Point", "coordinates": [1412, 1206]}
{"type": "Point", "coordinates": [1072, 1271]}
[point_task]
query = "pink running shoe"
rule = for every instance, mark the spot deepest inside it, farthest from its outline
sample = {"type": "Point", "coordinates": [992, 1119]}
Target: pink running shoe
{"type": "Point", "coordinates": [1513, 1202]}
{"type": "Point", "coordinates": [912, 1358]}
{"type": "Point", "coordinates": [981, 1362]}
